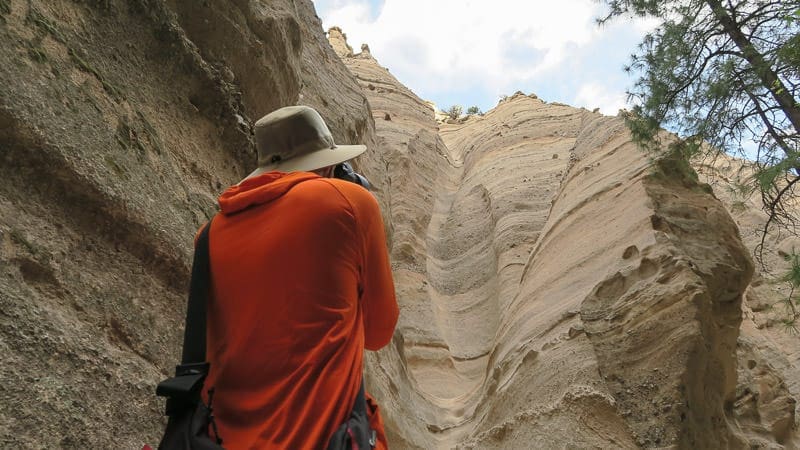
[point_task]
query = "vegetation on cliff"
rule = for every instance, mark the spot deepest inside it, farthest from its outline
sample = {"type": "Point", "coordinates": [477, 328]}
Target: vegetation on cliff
{"type": "Point", "coordinates": [726, 73]}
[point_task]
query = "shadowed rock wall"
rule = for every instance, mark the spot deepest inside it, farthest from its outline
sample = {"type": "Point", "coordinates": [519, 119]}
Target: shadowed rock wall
{"type": "Point", "coordinates": [558, 287]}
{"type": "Point", "coordinates": [120, 122]}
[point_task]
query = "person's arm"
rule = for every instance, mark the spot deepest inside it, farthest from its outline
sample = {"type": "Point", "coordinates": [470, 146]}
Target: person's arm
{"type": "Point", "coordinates": [378, 302]}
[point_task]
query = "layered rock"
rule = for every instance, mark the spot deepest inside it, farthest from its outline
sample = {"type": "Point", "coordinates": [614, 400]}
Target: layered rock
{"type": "Point", "coordinates": [574, 291]}
{"type": "Point", "coordinates": [558, 288]}
{"type": "Point", "coordinates": [410, 154]}
{"type": "Point", "coordinates": [768, 352]}
{"type": "Point", "coordinates": [120, 122]}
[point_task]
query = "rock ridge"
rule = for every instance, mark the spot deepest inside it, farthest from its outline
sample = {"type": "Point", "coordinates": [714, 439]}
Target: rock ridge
{"type": "Point", "coordinates": [558, 287]}
{"type": "Point", "coordinates": [553, 242]}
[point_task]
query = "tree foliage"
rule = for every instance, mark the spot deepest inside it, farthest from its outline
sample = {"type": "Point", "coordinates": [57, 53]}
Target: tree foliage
{"type": "Point", "coordinates": [472, 110]}
{"type": "Point", "coordinates": [454, 112]}
{"type": "Point", "coordinates": [725, 72]}
{"type": "Point", "coordinates": [792, 277]}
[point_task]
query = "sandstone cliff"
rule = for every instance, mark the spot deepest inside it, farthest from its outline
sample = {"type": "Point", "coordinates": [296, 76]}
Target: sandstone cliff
{"type": "Point", "coordinates": [558, 287]}
{"type": "Point", "coordinates": [120, 122]}
{"type": "Point", "coordinates": [574, 292]}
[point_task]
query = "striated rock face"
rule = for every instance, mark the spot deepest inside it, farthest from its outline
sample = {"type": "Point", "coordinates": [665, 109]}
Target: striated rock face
{"type": "Point", "coordinates": [120, 122]}
{"type": "Point", "coordinates": [768, 353]}
{"type": "Point", "coordinates": [573, 292]}
{"type": "Point", "coordinates": [558, 288]}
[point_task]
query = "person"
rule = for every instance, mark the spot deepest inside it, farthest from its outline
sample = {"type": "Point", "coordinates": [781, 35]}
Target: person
{"type": "Point", "coordinates": [301, 285]}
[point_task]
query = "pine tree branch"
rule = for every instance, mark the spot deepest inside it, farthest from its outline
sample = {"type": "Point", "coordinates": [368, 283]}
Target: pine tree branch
{"type": "Point", "coordinates": [767, 76]}
{"type": "Point", "coordinates": [772, 206]}
{"type": "Point", "coordinates": [761, 11]}
{"type": "Point", "coordinates": [770, 127]}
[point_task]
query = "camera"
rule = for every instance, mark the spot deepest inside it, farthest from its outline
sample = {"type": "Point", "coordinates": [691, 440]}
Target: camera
{"type": "Point", "coordinates": [344, 171]}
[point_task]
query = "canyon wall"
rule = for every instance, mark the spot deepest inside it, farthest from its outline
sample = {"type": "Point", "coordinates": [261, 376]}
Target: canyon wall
{"type": "Point", "coordinates": [558, 287]}
{"type": "Point", "coordinates": [120, 123]}
{"type": "Point", "coordinates": [575, 291]}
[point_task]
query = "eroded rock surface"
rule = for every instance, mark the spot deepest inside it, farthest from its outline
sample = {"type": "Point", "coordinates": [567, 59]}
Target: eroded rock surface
{"type": "Point", "coordinates": [120, 122]}
{"type": "Point", "coordinates": [768, 352]}
{"type": "Point", "coordinates": [558, 287]}
{"type": "Point", "coordinates": [574, 293]}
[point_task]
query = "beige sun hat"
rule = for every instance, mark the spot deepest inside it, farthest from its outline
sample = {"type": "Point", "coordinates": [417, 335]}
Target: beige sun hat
{"type": "Point", "coordinates": [295, 138]}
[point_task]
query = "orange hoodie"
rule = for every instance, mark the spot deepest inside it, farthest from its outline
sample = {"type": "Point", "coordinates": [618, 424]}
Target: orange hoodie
{"type": "Point", "coordinates": [301, 285]}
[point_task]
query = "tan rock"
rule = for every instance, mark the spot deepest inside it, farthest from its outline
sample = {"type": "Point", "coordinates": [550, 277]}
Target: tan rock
{"type": "Point", "coordinates": [768, 352]}
{"type": "Point", "coordinates": [120, 122]}
{"type": "Point", "coordinates": [558, 288]}
{"type": "Point", "coordinates": [339, 43]}
{"type": "Point", "coordinates": [557, 259]}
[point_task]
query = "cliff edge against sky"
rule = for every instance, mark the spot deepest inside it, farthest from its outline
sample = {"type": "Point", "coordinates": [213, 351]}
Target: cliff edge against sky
{"type": "Point", "coordinates": [558, 287]}
{"type": "Point", "coordinates": [573, 289]}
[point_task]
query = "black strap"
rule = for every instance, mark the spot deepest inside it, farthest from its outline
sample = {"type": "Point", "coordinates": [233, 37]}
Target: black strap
{"type": "Point", "coordinates": [361, 408]}
{"type": "Point", "coordinates": [361, 400]}
{"type": "Point", "coordinates": [194, 335]}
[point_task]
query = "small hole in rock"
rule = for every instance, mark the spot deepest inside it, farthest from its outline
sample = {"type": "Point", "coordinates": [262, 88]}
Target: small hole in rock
{"type": "Point", "coordinates": [630, 252]}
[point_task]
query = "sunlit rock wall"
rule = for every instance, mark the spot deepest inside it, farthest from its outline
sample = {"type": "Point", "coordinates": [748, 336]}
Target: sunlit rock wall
{"type": "Point", "coordinates": [575, 291]}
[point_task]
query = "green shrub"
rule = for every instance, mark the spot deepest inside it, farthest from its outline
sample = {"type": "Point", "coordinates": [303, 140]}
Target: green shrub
{"type": "Point", "coordinates": [454, 112]}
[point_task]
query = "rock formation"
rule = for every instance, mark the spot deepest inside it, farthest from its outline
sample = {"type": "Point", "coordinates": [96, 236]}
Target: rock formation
{"type": "Point", "coordinates": [768, 353]}
{"type": "Point", "coordinates": [558, 287]}
{"type": "Point", "coordinates": [573, 291]}
{"type": "Point", "coordinates": [120, 123]}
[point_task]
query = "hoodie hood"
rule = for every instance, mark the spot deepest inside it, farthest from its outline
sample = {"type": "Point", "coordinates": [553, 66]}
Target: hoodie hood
{"type": "Point", "coordinates": [260, 189]}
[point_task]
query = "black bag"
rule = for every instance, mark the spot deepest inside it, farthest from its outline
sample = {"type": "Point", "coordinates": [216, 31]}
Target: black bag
{"type": "Point", "coordinates": [189, 417]}
{"type": "Point", "coordinates": [355, 434]}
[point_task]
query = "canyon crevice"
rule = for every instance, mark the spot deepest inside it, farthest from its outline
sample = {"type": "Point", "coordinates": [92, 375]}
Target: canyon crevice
{"type": "Point", "coordinates": [559, 287]}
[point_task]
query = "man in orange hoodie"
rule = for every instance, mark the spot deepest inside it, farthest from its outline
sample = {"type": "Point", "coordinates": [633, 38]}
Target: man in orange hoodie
{"type": "Point", "coordinates": [301, 286]}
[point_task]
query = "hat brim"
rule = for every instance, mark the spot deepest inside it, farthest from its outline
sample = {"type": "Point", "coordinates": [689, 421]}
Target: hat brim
{"type": "Point", "coordinates": [313, 160]}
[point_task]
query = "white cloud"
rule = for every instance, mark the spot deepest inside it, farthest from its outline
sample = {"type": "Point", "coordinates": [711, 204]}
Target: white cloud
{"type": "Point", "coordinates": [596, 95]}
{"type": "Point", "coordinates": [344, 12]}
{"type": "Point", "coordinates": [494, 47]}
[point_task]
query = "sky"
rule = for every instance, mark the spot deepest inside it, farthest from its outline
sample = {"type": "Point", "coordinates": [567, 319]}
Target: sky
{"type": "Point", "coordinates": [471, 52]}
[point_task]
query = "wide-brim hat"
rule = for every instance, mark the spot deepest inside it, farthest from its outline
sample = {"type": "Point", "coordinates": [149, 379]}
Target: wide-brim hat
{"type": "Point", "coordinates": [296, 138]}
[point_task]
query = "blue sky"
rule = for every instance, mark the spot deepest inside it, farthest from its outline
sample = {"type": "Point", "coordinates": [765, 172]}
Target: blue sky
{"type": "Point", "coordinates": [471, 52]}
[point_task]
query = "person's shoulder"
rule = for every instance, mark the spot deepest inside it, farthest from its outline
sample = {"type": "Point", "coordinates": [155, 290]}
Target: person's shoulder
{"type": "Point", "coordinates": [361, 199]}
{"type": "Point", "coordinates": [346, 186]}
